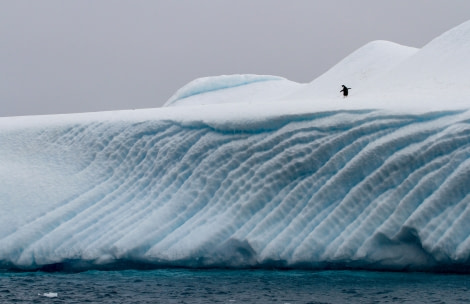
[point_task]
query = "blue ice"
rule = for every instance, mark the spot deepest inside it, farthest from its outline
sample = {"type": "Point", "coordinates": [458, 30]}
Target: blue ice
{"type": "Point", "coordinates": [357, 189]}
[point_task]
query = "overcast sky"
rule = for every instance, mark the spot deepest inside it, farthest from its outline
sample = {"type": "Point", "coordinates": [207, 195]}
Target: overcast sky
{"type": "Point", "coordinates": [86, 55]}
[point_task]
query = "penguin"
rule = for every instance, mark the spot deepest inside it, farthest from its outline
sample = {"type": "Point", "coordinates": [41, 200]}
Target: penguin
{"type": "Point", "coordinates": [345, 91]}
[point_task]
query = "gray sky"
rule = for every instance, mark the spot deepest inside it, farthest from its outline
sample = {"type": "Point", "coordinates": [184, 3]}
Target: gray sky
{"type": "Point", "coordinates": [78, 56]}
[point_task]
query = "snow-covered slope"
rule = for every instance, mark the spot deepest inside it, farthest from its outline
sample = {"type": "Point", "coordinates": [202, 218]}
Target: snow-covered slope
{"type": "Point", "coordinates": [381, 74]}
{"type": "Point", "coordinates": [246, 88]}
{"type": "Point", "coordinates": [302, 182]}
{"type": "Point", "coordinates": [438, 73]}
{"type": "Point", "coordinates": [370, 61]}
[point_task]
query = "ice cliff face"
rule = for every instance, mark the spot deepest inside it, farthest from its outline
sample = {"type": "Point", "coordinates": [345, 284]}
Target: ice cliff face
{"type": "Point", "coordinates": [369, 189]}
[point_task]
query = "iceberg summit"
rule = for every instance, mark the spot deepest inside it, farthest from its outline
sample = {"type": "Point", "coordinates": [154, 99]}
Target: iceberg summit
{"type": "Point", "coordinates": [243, 171]}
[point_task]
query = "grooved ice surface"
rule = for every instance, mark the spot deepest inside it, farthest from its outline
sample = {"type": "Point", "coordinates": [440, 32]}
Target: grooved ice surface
{"type": "Point", "coordinates": [372, 189]}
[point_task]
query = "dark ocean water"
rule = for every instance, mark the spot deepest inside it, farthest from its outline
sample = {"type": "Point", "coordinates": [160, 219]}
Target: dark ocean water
{"type": "Point", "coordinates": [232, 286]}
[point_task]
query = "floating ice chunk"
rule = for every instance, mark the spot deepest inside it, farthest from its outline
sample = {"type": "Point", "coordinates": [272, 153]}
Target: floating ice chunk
{"type": "Point", "coordinates": [50, 294]}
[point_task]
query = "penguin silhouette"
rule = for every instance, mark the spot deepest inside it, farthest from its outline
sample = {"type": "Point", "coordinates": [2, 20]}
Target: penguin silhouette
{"type": "Point", "coordinates": [345, 91]}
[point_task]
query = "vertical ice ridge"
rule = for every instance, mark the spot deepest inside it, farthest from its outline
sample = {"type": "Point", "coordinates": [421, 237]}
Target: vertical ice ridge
{"type": "Point", "coordinates": [313, 183]}
{"type": "Point", "coordinates": [275, 179]}
{"type": "Point", "coordinates": [144, 216]}
{"type": "Point", "coordinates": [287, 240]}
{"type": "Point", "coordinates": [68, 212]}
{"type": "Point", "coordinates": [244, 160]}
{"type": "Point", "coordinates": [232, 190]}
{"type": "Point", "coordinates": [462, 250]}
{"type": "Point", "coordinates": [351, 177]}
{"type": "Point", "coordinates": [414, 165]}
{"type": "Point", "coordinates": [241, 216]}
{"type": "Point", "coordinates": [448, 235]}
{"type": "Point", "coordinates": [34, 231]}
{"type": "Point", "coordinates": [217, 164]}
{"type": "Point", "coordinates": [449, 196]}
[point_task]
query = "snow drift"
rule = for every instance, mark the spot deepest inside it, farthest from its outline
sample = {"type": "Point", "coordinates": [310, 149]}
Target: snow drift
{"type": "Point", "coordinates": [368, 62]}
{"type": "Point", "coordinates": [229, 88]}
{"type": "Point", "coordinates": [299, 182]}
{"type": "Point", "coordinates": [438, 73]}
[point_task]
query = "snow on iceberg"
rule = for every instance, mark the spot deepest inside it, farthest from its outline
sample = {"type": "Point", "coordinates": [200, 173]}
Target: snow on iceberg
{"type": "Point", "coordinates": [232, 88]}
{"type": "Point", "coordinates": [437, 73]}
{"type": "Point", "coordinates": [302, 184]}
{"type": "Point", "coordinates": [366, 63]}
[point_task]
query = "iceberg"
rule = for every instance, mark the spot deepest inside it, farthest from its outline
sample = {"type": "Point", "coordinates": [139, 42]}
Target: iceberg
{"type": "Point", "coordinates": [305, 180]}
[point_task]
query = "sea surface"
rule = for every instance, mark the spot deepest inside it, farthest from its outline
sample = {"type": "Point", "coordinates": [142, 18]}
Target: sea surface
{"type": "Point", "coordinates": [232, 286]}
